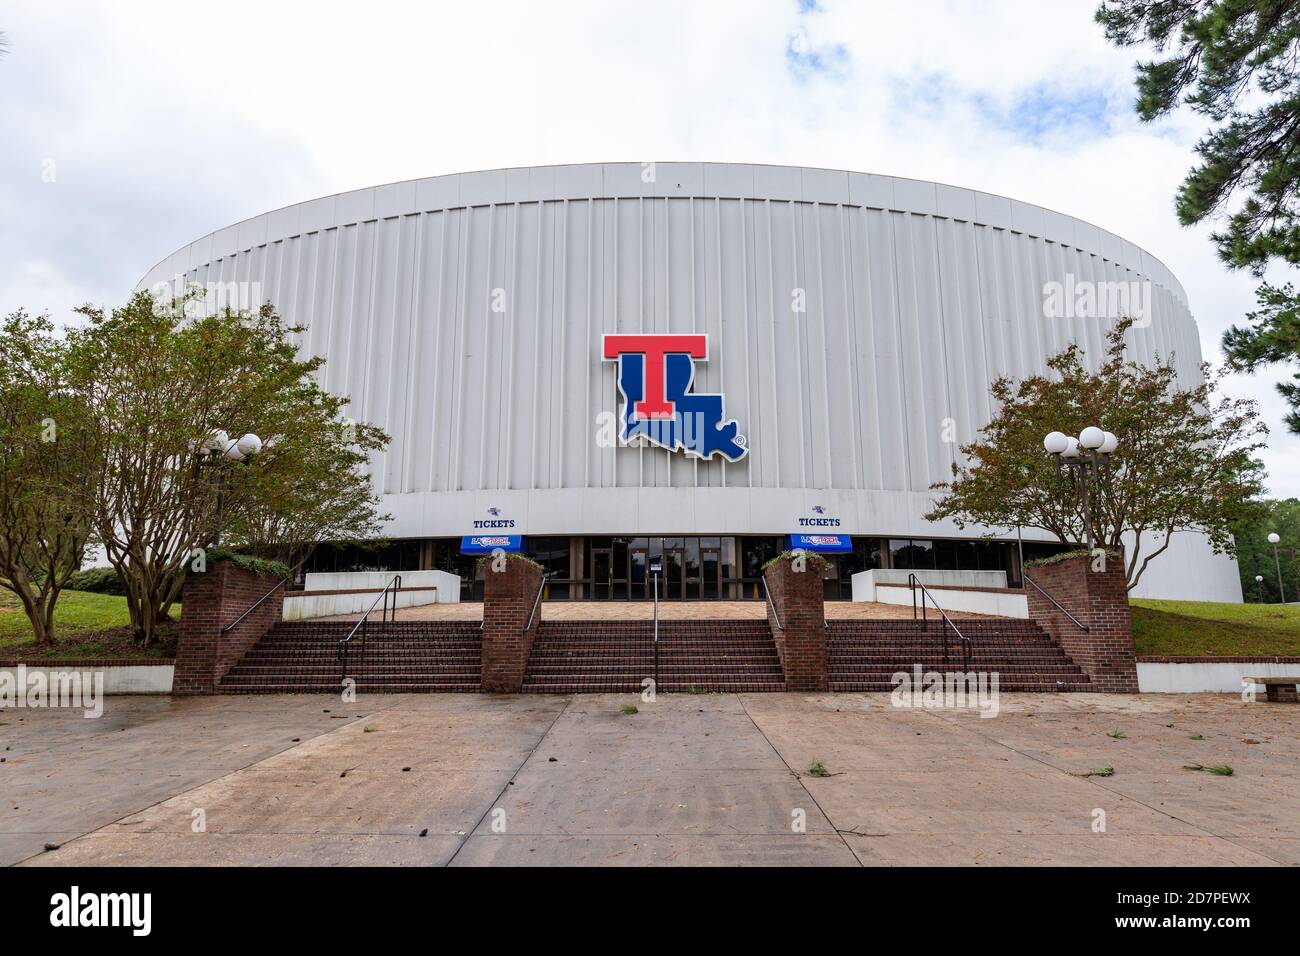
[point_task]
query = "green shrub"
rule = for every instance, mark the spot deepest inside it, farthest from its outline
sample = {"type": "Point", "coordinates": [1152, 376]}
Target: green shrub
{"type": "Point", "coordinates": [97, 581]}
{"type": "Point", "coordinates": [1066, 556]}
{"type": "Point", "coordinates": [248, 563]}
{"type": "Point", "coordinates": [815, 560]}
{"type": "Point", "coordinates": [482, 563]}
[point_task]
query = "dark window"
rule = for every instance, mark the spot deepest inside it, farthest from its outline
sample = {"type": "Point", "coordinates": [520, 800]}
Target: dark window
{"type": "Point", "coordinates": [945, 555]}
{"type": "Point", "coordinates": [912, 554]}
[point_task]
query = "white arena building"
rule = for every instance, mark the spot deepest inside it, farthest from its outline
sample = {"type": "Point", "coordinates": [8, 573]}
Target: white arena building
{"type": "Point", "coordinates": [842, 329]}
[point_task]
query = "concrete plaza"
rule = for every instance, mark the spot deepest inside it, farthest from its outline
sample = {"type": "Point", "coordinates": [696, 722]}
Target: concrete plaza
{"type": "Point", "coordinates": [687, 780]}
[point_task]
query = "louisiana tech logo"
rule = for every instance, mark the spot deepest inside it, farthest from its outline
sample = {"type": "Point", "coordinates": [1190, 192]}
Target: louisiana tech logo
{"type": "Point", "coordinates": [654, 379]}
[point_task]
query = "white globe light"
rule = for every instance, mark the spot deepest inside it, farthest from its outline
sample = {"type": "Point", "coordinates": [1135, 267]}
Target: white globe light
{"type": "Point", "coordinates": [1056, 442]}
{"type": "Point", "coordinates": [250, 444]}
{"type": "Point", "coordinates": [1259, 578]}
{"type": "Point", "coordinates": [1273, 538]}
{"type": "Point", "coordinates": [1071, 448]}
{"type": "Point", "coordinates": [233, 452]}
{"type": "Point", "coordinates": [216, 441]}
{"type": "Point", "coordinates": [1092, 438]}
{"type": "Point", "coordinates": [1109, 445]}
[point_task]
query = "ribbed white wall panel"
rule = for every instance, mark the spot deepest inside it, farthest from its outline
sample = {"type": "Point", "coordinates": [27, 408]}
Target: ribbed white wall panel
{"type": "Point", "coordinates": [917, 295]}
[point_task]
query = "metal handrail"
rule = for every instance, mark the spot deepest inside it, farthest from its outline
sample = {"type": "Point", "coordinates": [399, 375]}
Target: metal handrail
{"type": "Point", "coordinates": [767, 594]}
{"type": "Point", "coordinates": [395, 585]}
{"type": "Point", "coordinates": [1055, 603]}
{"type": "Point", "coordinates": [914, 582]}
{"type": "Point", "coordinates": [656, 592]}
{"type": "Point", "coordinates": [283, 582]}
{"type": "Point", "coordinates": [255, 605]}
{"type": "Point", "coordinates": [541, 586]}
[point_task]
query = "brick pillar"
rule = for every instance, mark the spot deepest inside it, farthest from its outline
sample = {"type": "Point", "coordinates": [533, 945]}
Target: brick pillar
{"type": "Point", "coordinates": [211, 600]}
{"type": "Point", "coordinates": [1098, 599]}
{"type": "Point", "coordinates": [801, 637]}
{"type": "Point", "coordinates": [508, 597]}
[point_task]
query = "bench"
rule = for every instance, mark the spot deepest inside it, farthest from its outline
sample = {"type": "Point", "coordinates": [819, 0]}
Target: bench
{"type": "Point", "coordinates": [1278, 689]}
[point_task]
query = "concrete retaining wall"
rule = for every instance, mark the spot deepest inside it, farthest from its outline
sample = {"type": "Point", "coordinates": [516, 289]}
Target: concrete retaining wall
{"type": "Point", "coordinates": [1215, 675]}
{"type": "Point", "coordinates": [1002, 603]}
{"type": "Point", "coordinates": [866, 582]}
{"type": "Point", "coordinates": [364, 587]}
{"type": "Point", "coordinates": [142, 677]}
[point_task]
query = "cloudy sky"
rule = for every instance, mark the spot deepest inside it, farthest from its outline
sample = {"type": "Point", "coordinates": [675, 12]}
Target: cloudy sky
{"type": "Point", "coordinates": [128, 129]}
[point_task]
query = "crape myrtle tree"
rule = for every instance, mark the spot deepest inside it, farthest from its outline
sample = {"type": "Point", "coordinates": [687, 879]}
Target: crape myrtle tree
{"type": "Point", "coordinates": [1184, 463]}
{"type": "Point", "coordinates": [1237, 63]}
{"type": "Point", "coordinates": [46, 477]}
{"type": "Point", "coordinates": [160, 379]}
{"type": "Point", "coordinates": [318, 499]}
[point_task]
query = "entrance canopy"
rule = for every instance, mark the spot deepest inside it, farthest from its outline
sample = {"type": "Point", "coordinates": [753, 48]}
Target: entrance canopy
{"type": "Point", "coordinates": [822, 543]}
{"type": "Point", "coordinates": [488, 543]}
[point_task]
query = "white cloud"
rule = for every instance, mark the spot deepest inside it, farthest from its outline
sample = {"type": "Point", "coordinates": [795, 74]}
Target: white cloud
{"type": "Point", "coordinates": [168, 120]}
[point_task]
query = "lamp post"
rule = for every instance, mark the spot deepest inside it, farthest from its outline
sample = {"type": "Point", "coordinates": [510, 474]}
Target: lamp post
{"type": "Point", "coordinates": [218, 449]}
{"type": "Point", "coordinates": [1273, 539]}
{"type": "Point", "coordinates": [1088, 455]}
{"type": "Point", "coordinates": [1259, 587]}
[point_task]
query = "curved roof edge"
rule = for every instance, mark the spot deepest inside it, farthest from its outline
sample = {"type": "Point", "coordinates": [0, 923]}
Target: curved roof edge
{"type": "Point", "coordinates": [665, 179]}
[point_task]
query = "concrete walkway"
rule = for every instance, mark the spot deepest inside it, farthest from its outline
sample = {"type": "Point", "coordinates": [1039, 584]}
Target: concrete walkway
{"type": "Point", "coordinates": [687, 780]}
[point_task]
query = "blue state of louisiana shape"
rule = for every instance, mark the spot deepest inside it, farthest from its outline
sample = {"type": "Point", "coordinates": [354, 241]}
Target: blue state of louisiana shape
{"type": "Point", "coordinates": [696, 426]}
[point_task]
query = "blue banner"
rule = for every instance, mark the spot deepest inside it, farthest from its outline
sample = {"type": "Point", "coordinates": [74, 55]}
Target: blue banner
{"type": "Point", "coordinates": [822, 543]}
{"type": "Point", "coordinates": [488, 543]}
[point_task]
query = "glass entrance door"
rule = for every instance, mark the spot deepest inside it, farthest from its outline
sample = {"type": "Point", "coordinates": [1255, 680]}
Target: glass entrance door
{"type": "Point", "coordinates": [602, 574]}
{"type": "Point", "coordinates": [710, 573]}
{"type": "Point", "coordinates": [674, 583]}
{"type": "Point", "coordinates": [640, 586]}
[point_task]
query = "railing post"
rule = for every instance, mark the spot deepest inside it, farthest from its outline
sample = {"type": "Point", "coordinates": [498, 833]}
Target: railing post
{"type": "Point", "coordinates": [656, 632]}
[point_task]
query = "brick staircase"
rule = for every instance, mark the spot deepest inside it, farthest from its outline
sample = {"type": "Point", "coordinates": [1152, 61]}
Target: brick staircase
{"type": "Point", "coordinates": [571, 657]}
{"type": "Point", "coordinates": [863, 655]}
{"type": "Point", "coordinates": [615, 656]}
{"type": "Point", "coordinates": [300, 657]}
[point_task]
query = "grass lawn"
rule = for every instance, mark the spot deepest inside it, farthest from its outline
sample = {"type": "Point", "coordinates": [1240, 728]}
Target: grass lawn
{"type": "Point", "coordinates": [1209, 629]}
{"type": "Point", "coordinates": [85, 625]}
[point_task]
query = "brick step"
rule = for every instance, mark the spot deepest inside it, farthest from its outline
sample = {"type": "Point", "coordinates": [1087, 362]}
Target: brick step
{"type": "Point", "coordinates": [435, 671]}
{"type": "Point", "coordinates": [912, 637]}
{"type": "Point", "coordinates": [902, 623]}
{"type": "Point", "coordinates": [923, 651]}
{"type": "Point", "coordinates": [648, 631]}
{"type": "Point", "coordinates": [628, 687]}
{"type": "Point", "coordinates": [361, 688]}
{"type": "Point", "coordinates": [392, 657]}
{"type": "Point", "coordinates": [1001, 666]}
{"type": "Point", "coordinates": [647, 647]}
{"type": "Point", "coordinates": [1050, 687]}
{"type": "Point", "coordinates": [700, 645]}
{"type": "Point", "coordinates": [289, 683]}
{"type": "Point", "coordinates": [615, 656]}
{"type": "Point", "coordinates": [246, 670]}
{"type": "Point", "coordinates": [293, 639]}
{"type": "Point", "coordinates": [398, 629]}
{"type": "Point", "coordinates": [685, 673]}
{"type": "Point", "coordinates": [866, 660]}
{"type": "Point", "coordinates": [665, 624]}
{"type": "Point", "coordinates": [415, 653]}
{"type": "Point", "coordinates": [406, 641]}
{"type": "Point", "coordinates": [1005, 678]}
{"type": "Point", "coordinates": [584, 660]}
